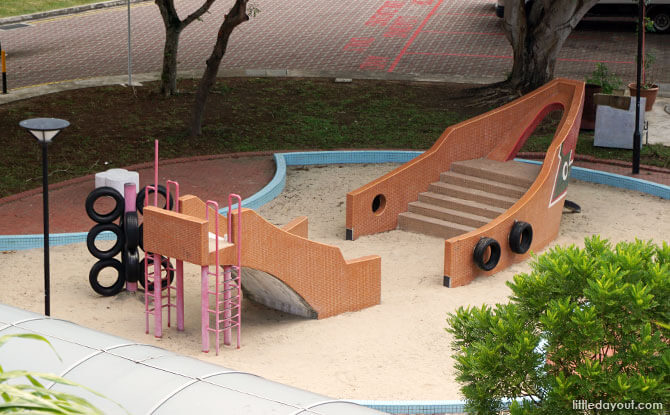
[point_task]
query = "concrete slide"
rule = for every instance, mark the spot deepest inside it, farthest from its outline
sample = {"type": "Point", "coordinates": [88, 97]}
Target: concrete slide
{"type": "Point", "coordinates": [282, 268]}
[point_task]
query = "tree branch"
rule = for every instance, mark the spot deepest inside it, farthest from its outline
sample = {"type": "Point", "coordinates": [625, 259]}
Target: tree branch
{"type": "Point", "coordinates": [196, 14]}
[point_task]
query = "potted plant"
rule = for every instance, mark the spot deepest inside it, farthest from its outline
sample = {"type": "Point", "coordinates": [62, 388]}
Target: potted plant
{"type": "Point", "coordinates": [601, 81]}
{"type": "Point", "coordinates": [649, 89]}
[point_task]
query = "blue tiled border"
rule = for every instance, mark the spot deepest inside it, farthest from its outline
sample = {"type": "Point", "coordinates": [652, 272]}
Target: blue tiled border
{"type": "Point", "coordinates": [414, 407]}
{"type": "Point", "coordinates": [282, 160]}
{"type": "Point", "coordinates": [615, 180]}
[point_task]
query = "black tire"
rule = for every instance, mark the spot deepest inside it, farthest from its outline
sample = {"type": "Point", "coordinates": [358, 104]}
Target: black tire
{"type": "Point", "coordinates": [131, 231]}
{"type": "Point", "coordinates": [661, 19]}
{"type": "Point", "coordinates": [93, 234]}
{"type": "Point", "coordinates": [141, 237]}
{"type": "Point", "coordinates": [132, 265]}
{"type": "Point", "coordinates": [572, 206]}
{"type": "Point", "coordinates": [480, 250]}
{"type": "Point", "coordinates": [110, 216]}
{"type": "Point", "coordinates": [110, 290]}
{"type": "Point", "coordinates": [139, 204]}
{"type": "Point", "coordinates": [520, 237]}
{"type": "Point", "coordinates": [164, 264]}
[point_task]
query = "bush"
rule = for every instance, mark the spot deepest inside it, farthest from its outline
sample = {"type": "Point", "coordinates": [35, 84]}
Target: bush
{"type": "Point", "coordinates": [585, 325]}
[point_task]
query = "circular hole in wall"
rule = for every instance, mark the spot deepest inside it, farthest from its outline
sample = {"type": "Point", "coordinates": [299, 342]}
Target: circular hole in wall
{"type": "Point", "coordinates": [378, 204]}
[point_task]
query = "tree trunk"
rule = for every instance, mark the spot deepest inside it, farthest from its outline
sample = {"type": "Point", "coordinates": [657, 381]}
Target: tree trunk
{"type": "Point", "coordinates": [173, 28]}
{"type": "Point", "coordinates": [235, 17]}
{"type": "Point", "coordinates": [169, 73]}
{"type": "Point", "coordinates": [537, 30]}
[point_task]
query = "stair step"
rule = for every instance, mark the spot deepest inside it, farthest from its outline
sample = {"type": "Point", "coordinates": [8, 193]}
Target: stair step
{"type": "Point", "coordinates": [486, 184]}
{"type": "Point", "coordinates": [511, 172]}
{"type": "Point", "coordinates": [450, 215]}
{"type": "Point", "coordinates": [463, 205]}
{"type": "Point", "coordinates": [414, 222]}
{"type": "Point", "coordinates": [472, 194]}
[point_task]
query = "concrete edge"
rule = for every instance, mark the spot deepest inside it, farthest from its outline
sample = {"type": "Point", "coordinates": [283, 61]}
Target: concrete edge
{"type": "Point", "coordinates": [276, 185]}
{"type": "Point", "coordinates": [26, 92]}
{"type": "Point", "coordinates": [67, 10]}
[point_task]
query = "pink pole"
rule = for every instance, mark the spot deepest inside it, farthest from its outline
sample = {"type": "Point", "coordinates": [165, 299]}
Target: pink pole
{"type": "Point", "coordinates": [180, 295]}
{"type": "Point", "coordinates": [130, 196]}
{"type": "Point", "coordinates": [146, 294]}
{"type": "Point", "coordinates": [204, 304]}
{"type": "Point", "coordinates": [156, 172]}
{"type": "Point", "coordinates": [158, 301]}
{"type": "Point", "coordinates": [226, 304]}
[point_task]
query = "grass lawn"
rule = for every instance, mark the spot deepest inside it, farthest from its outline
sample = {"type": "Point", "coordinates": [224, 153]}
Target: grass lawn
{"type": "Point", "coordinates": [18, 7]}
{"type": "Point", "coordinates": [114, 127]}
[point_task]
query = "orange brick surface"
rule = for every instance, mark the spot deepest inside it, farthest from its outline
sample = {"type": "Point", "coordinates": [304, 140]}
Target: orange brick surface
{"type": "Point", "coordinates": [316, 272]}
{"type": "Point", "coordinates": [496, 135]}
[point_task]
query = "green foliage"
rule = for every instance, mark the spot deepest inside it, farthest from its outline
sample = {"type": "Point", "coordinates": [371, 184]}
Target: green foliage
{"type": "Point", "coordinates": [649, 61]}
{"type": "Point", "coordinates": [586, 324]}
{"type": "Point", "coordinates": [18, 7]}
{"type": "Point", "coordinates": [34, 397]}
{"type": "Point", "coordinates": [602, 77]}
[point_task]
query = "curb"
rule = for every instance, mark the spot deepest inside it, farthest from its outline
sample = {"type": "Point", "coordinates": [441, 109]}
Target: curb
{"type": "Point", "coordinates": [68, 10]}
{"type": "Point", "coordinates": [26, 92]}
{"type": "Point", "coordinates": [592, 159]}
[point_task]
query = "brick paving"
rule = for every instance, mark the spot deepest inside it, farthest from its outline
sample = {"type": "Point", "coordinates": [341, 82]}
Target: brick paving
{"type": "Point", "coordinates": [206, 177]}
{"type": "Point", "coordinates": [438, 37]}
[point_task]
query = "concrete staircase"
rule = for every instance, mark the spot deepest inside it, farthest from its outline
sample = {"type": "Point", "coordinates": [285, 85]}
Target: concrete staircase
{"type": "Point", "coordinates": [468, 196]}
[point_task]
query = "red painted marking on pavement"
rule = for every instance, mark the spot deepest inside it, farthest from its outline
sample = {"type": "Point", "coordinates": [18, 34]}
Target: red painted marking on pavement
{"type": "Point", "coordinates": [401, 27]}
{"type": "Point", "coordinates": [447, 32]}
{"type": "Point", "coordinates": [375, 62]}
{"type": "Point", "coordinates": [592, 61]}
{"type": "Point", "coordinates": [467, 14]}
{"type": "Point", "coordinates": [470, 55]}
{"type": "Point", "coordinates": [385, 14]}
{"type": "Point", "coordinates": [358, 44]}
{"type": "Point", "coordinates": [413, 38]}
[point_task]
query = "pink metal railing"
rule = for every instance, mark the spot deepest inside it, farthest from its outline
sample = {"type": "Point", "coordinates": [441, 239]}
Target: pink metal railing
{"type": "Point", "coordinates": [156, 301]}
{"type": "Point", "coordinates": [230, 297]}
{"type": "Point", "coordinates": [235, 320]}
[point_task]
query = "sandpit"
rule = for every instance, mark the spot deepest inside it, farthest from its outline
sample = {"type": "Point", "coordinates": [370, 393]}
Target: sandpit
{"type": "Point", "coordinates": [394, 351]}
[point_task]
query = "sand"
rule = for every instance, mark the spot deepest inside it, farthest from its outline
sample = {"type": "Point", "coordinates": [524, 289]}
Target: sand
{"type": "Point", "coordinates": [396, 350]}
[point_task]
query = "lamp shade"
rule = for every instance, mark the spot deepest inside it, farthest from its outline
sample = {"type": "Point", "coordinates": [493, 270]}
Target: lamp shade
{"type": "Point", "coordinates": [44, 129]}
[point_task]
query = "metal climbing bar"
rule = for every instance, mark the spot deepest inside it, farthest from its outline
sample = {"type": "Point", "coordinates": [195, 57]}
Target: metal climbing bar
{"type": "Point", "coordinates": [157, 274]}
{"type": "Point", "coordinates": [223, 305]}
{"type": "Point", "coordinates": [235, 304]}
{"type": "Point", "coordinates": [206, 273]}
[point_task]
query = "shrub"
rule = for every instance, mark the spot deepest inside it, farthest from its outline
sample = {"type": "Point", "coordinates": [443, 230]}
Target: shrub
{"type": "Point", "coordinates": [585, 325]}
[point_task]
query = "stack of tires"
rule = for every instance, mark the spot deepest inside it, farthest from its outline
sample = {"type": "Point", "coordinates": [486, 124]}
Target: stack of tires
{"type": "Point", "coordinates": [105, 222]}
{"type": "Point", "coordinates": [128, 241]}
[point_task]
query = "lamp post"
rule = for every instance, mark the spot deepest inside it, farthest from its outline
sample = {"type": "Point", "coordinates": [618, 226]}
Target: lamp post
{"type": "Point", "coordinates": [637, 137]}
{"type": "Point", "coordinates": [44, 130]}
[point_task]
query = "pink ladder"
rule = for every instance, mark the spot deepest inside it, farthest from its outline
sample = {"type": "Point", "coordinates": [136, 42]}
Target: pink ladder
{"type": "Point", "coordinates": [227, 294]}
{"type": "Point", "coordinates": [158, 274]}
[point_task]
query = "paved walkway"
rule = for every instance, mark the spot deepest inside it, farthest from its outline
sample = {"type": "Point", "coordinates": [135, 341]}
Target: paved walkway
{"type": "Point", "coordinates": [461, 39]}
{"type": "Point", "coordinates": [206, 177]}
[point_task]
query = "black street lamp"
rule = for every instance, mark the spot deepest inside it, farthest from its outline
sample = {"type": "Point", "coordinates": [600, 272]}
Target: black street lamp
{"type": "Point", "coordinates": [637, 136]}
{"type": "Point", "coordinates": [44, 130]}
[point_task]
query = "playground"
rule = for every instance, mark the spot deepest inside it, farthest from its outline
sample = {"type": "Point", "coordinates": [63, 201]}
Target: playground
{"type": "Point", "coordinates": [395, 350]}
